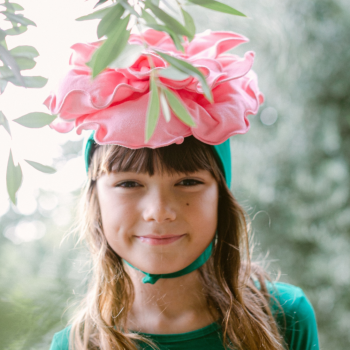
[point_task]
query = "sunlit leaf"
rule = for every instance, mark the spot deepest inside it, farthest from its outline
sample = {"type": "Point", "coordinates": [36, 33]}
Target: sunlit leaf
{"type": "Point", "coordinates": [13, 178]}
{"type": "Point", "coordinates": [3, 84]}
{"type": "Point", "coordinates": [128, 57]}
{"type": "Point", "coordinates": [153, 110]}
{"type": "Point", "coordinates": [2, 34]}
{"type": "Point", "coordinates": [189, 23]}
{"type": "Point", "coordinates": [169, 21]}
{"type": "Point", "coordinates": [165, 107]}
{"type": "Point", "coordinates": [188, 68]}
{"type": "Point", "coordinates": [12, 6]}
{"type": "Point", "coordinates": [179, 108]}
{"type": "Point", "coordinates": [128, 7]}
{"type": "Point", "coordinates": [29, 82]}
{"type": "Point", "coordinates": [172, 73]}
{"type": "Point", "coordinates": [35, 119]}
{"type": "Point", "coordinates": [25, 63]}
{"type": "Point", "coordinates": [18, 19]}
{"type": "Point", "coordinates": [4, 122]}
{"type": "Point", "coordinates": [217, 6]}
{"type": "Point", "coordinates": [7, 58]}
{"type": "Point", "coordinates": [100, 3]}
{"type": "Point", "coordinates": [174, 36]}
{"type": "Point", "coordinates": [43, 168]}
{"type": "Point", "coordinates": [148, 17]}
{"type": "Point", "coordinates": [24, 51]}
{"type": "Point", "coordinates": [16, 30]}
{"type": "Point", "coordinates": [95, 15]}
{"type": "Point", "coordinates": [110, 20]}
{"type": "Point", "coordinates": [111, 48]}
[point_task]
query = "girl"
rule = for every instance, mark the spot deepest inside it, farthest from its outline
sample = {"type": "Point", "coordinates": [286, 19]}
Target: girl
{"type": "Point", "coordinates": [169, 243]}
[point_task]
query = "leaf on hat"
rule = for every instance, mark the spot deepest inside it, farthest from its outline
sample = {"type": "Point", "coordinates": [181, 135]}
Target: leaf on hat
{"type": "Point", "coordinates": [153, 109]}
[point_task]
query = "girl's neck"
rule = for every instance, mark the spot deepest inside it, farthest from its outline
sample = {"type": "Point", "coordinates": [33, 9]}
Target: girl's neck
{"type": "Point", "coordinates": [170, 306]}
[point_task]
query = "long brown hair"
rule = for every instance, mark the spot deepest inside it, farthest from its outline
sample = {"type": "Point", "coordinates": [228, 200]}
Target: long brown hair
{"type": "Point", "coordinates": [229, 278]}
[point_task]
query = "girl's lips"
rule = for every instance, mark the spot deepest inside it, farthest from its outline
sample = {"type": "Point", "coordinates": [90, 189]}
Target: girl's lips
{"type": "Point", "coordinates": [159, 240]}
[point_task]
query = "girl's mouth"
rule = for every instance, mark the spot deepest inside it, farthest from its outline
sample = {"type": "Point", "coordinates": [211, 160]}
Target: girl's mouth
{"type": "Point", "coordinates": [159, 239]}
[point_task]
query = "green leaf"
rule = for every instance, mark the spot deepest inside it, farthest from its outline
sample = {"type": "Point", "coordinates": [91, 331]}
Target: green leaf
{"type": "Point", "coordinates": [12, 6]}
{"type": "Point", "coordinates": [16, 30]}
{"type": "Point", "coordinates": [5, 123]}
{"type": "Point", "coordinates": [18, 19]}
{"type": "Point", "coordinates": [100, 3]}
{"type": "Point", "coordinates": [179, 108]}
{"type": "Point", "coordinates": [5, 72]}
{"type": "Point", "coordinates": [128, 57]}
{"type": "Point", "coordinates": [148, 17]}
{"type": "Point", "coordinates": [111, 48]}
{"type": "Point", "coordinates": [189, 23]}
{"type": "Point", "coordinates": [217, 6]}
{"type": "Point", "coordinates": [24, 51]}
{"type": "Point", "coordinates": [165, 107]}
{"type": "Point", "coordinates": [11, 62]}
{"type": "Point", "coordinates": [174, 36]}
{"type": "Point", "coordinates": [110, 20]}
{"type": "Point", "coordinates": [95, 15]}
{"type": "Point", "coordinates": [29, 82]}
{"type": "Point", "coordinates": [188, 68]}
{"type": "Point", "coordinates": [25, 63]}
{"type": "Point", "coordinates": [35, 119]}
{"type": "Point", "coordinates": [129, 8]}
{"type": "Point", "coordinates": [169, 21]}
{"type": "Point", "coordinates": [13, 178]}
{"type": "Point", "coordinates": [172, 73]}
{"type": "Point", "coordinates": [153, 110]}
{"type": "Point", "coordinates": [3, 84]}
{"type": "Point", "coordinates": [43, 168]}
{"type": "Point", "coordinates": [2, 34]}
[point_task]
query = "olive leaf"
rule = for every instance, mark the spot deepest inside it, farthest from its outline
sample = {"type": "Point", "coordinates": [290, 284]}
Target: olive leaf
{"type": "Point", "coordinates": [18, 18]}
{"type": "Point", "coordinates": [217, 6]}
{"type": "Point", "coordinates": [189, 23]}
{"type": "Point", "coordinates": [169, 21]}
{"type": "Point", "coordinates": [172, 73]}
{"type": "Point", "coordinates": [110, 20]}
{"type": "Point", "coordinates": [153, 109]}
{"type": "Point", "coordinates": [178, 108]}
{"type": "Point", "coordinates": [188, 68]}
{"type": "Point", "coordinates": [35, 119]}
{"type": "Point", "coordinates": [4, 122]}
{"type": "Point", "coordinates": [174, 36]}
{"type": "Point", "coordinates": [43, 168]}
{"type": "Point", "coordinates": [95, 15]}
{"type": "Point", "coordinates": [111, 48]}
{"type": "Point", "coordinates": [165, 107]}
{"type": "Point", "coordinates": [128, 57]}
{"type": "Point", "coordinates": [13, 178]}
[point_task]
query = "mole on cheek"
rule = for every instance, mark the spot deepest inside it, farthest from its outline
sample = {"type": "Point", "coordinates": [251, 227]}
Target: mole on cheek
{"type": "Point", "coordinates": [187, 203]}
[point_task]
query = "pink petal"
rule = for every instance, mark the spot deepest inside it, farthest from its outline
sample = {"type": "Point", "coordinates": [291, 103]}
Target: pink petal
{"type": "Point", "coordinates": [212, 44]}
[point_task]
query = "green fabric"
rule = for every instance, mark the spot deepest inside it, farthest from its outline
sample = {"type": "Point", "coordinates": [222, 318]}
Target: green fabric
{"type": "Point", "coordinates": [299, 328]}
{"type": "Point", "coordinates": [200, 261]}
{"type": "Point", "coordinates": [222, 152]}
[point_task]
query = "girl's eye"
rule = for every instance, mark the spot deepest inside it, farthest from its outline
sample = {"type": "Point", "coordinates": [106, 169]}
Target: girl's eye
{"type": "Point", "coordinates": [189, 182]}
{"type": "Point", "coordinates": [128, 184]}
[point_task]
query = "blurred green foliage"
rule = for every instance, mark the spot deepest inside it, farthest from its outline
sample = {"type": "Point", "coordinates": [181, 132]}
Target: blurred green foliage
{"type": "Point", "coordinates": [291, 173]}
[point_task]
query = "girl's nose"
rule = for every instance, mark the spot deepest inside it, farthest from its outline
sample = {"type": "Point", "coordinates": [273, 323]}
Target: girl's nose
{"type": "Point", "coordinates": [159, 207]}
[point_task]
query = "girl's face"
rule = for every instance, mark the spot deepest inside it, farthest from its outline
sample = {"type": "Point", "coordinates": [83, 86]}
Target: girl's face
{"type": "Point", "coordinates": [160, 223]}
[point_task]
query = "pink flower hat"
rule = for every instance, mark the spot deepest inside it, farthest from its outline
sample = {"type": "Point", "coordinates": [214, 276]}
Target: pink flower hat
{"type": "Point", "coordinates": [115, 103]}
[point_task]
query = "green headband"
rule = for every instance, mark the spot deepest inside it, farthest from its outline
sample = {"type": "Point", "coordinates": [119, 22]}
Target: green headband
{"type": "Point", "coordinates": [222, 153]}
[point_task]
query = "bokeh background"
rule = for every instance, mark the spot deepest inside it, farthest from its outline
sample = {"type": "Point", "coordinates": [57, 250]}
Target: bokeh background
{"type": "Point", "coordinates": [291, 171]}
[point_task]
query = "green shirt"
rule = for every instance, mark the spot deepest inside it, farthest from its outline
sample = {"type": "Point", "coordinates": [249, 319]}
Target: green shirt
{"type": "Point", "coordinates": [299, 329]}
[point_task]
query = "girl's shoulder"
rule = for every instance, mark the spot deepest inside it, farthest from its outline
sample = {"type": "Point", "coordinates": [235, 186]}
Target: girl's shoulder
{"type": "Point", "coordinates": [290, 306]}
{"type": "Point", "coordinates": [294, 315]}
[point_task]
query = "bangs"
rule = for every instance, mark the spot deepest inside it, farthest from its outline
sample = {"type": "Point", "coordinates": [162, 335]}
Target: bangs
{"type": "Point", "coordinates": [188, 157]}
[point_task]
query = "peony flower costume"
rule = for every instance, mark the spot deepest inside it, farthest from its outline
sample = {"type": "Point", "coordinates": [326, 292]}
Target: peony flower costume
{"type": "Point", "coordinates": [115, 103]}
